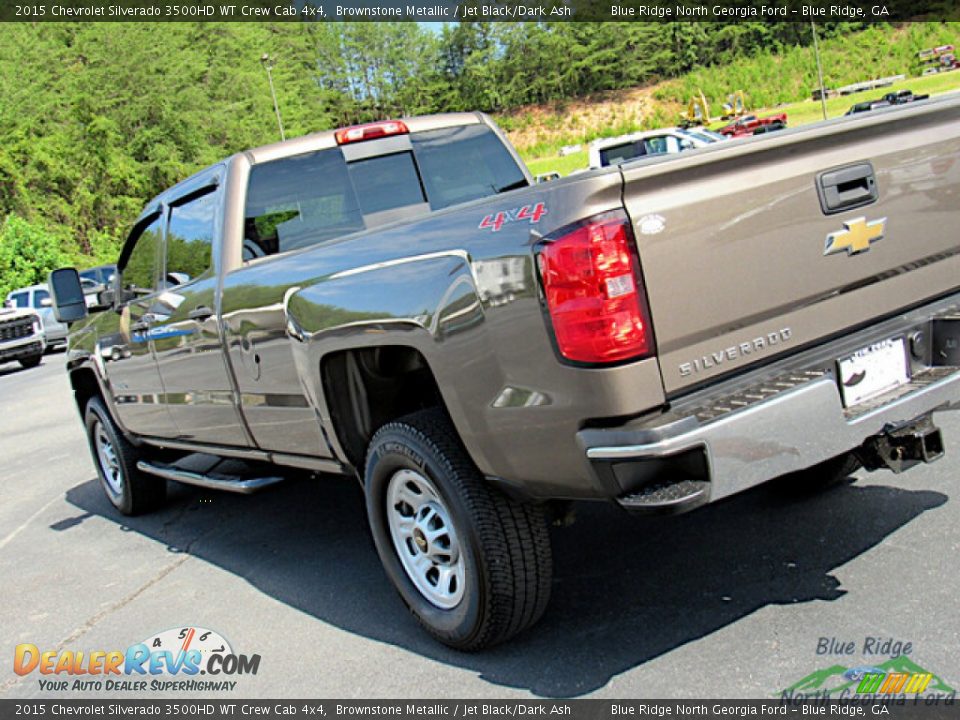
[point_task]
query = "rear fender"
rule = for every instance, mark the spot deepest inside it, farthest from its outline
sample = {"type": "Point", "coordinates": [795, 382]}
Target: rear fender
{"type": "Point", "coordinates": [421, 302]}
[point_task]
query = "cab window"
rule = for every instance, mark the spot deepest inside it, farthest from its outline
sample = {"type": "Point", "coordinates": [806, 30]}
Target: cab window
{"type": "Point", "coordinates": [141, 261]}
{"type": "Point", "coordinates": [20, 300]}
{"type": "Point", "coordinates": [190, 238]}
{"type": "Point", "coordinates": [297, 202]}
{"type": "Point", "coordinates": [39, 296]}
{"type": "Point", "coordinates": [662, 144]}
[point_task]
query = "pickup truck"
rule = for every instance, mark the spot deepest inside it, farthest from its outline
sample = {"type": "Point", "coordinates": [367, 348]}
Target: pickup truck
{"type": "Point", "coordinates": [753, 125]}
{"type": "Point", "coordinates": [21, 336]}
{"type": "Point", "coordinates": [399, 303]}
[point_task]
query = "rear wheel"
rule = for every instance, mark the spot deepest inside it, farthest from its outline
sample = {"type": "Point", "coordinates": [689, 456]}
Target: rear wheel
{"type": "Point", "coordinates": [131, 491]}
{"type": "Point", "coordinates": [31, 361]}
{"type": "Point", "coordinates": [473, 565]}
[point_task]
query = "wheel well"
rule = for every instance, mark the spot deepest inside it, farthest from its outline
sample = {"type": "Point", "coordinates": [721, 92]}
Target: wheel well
{"type": "Point", "coordinates": [85, 386]}
{"type": "Point", "coordinates": [369, 387]}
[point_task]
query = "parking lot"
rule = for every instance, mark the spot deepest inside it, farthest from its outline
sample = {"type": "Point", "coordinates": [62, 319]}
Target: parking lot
{"type": "Point", "coordinates": [729, 601]}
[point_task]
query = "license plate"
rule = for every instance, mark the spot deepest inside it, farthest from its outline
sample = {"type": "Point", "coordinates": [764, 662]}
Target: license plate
{"type": "Point", "coordinates": [872, 371]}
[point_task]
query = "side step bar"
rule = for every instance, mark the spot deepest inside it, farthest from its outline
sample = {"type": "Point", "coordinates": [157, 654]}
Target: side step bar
{"type": "Point", "coordinates": [667, 497]}
{"type": "Point", "coordinates": [208, 478]}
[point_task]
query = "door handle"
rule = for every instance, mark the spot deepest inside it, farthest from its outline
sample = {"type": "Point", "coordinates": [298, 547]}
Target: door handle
{"type": "Point", "coordinates": [847, 188]}
{"type": "Point", "coordinates": [201, 312]}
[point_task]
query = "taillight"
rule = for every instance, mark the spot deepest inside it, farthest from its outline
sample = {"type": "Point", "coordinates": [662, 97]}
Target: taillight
{"type": "Point", "coordinates": [370, 131]}
{"type": "Point", "coordinates": [591, 281]}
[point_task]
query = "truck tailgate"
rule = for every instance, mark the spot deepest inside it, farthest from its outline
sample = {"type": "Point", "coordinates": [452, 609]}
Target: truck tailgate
{"type": "Point", "coordinates": [734, 247]}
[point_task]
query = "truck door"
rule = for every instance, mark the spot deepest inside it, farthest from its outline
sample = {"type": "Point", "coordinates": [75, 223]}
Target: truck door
{"type": "Point", "coordinates": [186, 334]}
{"type": "Point", "coordinates": [129, 363]}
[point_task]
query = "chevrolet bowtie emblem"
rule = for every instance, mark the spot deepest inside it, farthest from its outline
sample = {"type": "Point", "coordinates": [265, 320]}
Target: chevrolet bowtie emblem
{"type": "Point", "coordinates": [856, 236]}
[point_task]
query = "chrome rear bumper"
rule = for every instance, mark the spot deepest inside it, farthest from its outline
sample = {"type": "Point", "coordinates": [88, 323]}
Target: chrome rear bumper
{"type": "Point", "coordinates": [756, 428]}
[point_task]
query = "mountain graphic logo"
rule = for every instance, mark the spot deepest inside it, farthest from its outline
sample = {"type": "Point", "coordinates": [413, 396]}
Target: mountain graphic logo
{"type": "Point", "coordinates": [897, 675]}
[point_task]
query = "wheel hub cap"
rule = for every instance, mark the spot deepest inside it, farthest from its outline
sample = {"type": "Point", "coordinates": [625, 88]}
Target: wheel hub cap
{"type": "Point", "coordinates": [107, 458]}
{"type": "Point", "coordinates": [425, 539]}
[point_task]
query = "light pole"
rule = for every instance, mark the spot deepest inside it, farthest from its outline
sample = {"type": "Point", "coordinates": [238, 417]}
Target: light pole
{"type": "Point", "coordinates": [816, 52]}
{"type": "Point", "coordinates": [268, 66]}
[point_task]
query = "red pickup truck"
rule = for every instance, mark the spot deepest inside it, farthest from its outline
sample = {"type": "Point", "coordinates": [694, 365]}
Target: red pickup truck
{"type": "Point", "coordinates": [753, 125]}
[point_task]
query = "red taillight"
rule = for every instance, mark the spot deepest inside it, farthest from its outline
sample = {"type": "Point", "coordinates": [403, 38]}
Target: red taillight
{"type": "Point", "coordinates": [370, 131]}
{"type": "Point", "coordinates": [591, 280]}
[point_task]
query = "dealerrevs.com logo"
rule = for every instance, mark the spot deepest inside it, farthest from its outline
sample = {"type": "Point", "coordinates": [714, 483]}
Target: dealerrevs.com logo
{"type": "Point", "coordinates": [177, 660]}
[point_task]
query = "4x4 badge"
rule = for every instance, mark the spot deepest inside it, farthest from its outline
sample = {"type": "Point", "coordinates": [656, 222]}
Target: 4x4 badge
{"type": "Point", "coordinates": [856, 237]}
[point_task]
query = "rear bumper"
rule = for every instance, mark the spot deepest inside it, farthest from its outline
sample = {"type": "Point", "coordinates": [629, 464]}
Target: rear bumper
{"type": "Point", "coordinates": [778, 420]}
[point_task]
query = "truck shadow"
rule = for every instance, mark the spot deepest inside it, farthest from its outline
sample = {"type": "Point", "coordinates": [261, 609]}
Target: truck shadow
{"type": "Point", "coordinates": [626, 589]}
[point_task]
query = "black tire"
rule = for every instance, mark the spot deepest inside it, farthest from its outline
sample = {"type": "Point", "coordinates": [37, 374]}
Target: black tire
{"type": "Point", "coordinates": [505, 543]}
{"type": "Point", "coordinates": [31, 361]}
{"type": "Point", "coordinates": [132, 492]}
{"type": "Point", "coordinates": [820, 477]}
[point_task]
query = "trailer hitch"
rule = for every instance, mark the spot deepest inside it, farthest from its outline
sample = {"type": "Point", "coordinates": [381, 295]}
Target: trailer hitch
{"type": "Point", "coordinates": [902, 447]}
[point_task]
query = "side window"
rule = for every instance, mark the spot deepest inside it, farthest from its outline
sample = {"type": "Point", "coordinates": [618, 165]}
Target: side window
{"type": "Point", "coordinates": [299, 201]}
{"type": "Point", "coordinates": [19, 300]}
{"type": "Point", "coordinates": [190, 238]}
{"type": "Point", "coordinates": [622, 153]}
{"type": "Point", "coordinates": [39, 296]}
{"type": "Point", "coordinates": [138, 270]}
{"type": "Point", "coordinates": [662, 144]}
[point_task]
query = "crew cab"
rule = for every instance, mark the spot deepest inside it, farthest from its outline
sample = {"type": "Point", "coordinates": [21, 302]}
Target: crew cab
{"type": "Point", "coordinates": [754, 125]}
{"type": "Point", "coordinates": [399, 303]}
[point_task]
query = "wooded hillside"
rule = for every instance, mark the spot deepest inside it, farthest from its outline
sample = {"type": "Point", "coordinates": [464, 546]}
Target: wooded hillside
{"type": "Point", "coordinates": [97, 118]}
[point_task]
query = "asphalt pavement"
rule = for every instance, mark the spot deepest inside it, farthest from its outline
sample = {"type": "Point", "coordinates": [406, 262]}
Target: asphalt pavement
{"type": "Point", "coordinates": [730, 601]}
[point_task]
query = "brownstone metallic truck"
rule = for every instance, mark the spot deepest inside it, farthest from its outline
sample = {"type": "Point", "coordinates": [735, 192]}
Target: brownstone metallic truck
{"type": "Point", "coordinates": [398, 302]}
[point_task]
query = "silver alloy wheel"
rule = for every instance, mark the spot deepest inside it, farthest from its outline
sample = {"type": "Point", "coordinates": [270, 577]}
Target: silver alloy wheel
{"type": "Point", "coordinates": [107, 457]}
{"type": "Point", "coordinates": [425, 539]}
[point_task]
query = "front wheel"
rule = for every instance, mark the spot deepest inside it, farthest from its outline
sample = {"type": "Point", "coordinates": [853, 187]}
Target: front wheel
{"type": "Point", "coordinates": [131, 491]}
{"type": "Point", "coordinates": [473, 565]}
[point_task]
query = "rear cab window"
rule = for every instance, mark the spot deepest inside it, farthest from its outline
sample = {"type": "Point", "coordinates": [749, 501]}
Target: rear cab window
{"type": "Point", "coordinates": [309, 199]}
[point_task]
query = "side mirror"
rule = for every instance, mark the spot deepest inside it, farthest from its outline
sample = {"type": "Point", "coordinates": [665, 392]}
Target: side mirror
{"type": "Point", "coordinates": [46, 302]}
{"type": "Point", "coordinates": [177, 278]}
{"type": "Point", "coordinates": [68, 303]}
{"type": "Point", "coordinates": [687, 145]}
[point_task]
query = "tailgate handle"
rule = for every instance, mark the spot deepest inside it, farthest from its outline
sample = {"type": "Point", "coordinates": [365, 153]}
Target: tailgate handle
{"type": "Point", "coordinates": [847, 188]}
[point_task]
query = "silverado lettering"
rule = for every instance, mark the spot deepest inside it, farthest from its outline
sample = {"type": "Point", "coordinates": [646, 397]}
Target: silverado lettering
{"type": "Point", "coordinates": [735, 352]}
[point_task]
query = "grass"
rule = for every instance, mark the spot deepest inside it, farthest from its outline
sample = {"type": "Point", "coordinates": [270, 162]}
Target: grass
{"type": "Point", "coordinates": [563, 165]}
{"type": "Point", "coordinates": [799, 113]}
